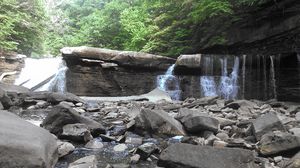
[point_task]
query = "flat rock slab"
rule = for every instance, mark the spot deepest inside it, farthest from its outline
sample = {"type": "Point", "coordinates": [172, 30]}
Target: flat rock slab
{"type": "Point", "coordinates": [266, 123]}
{"type": "Point", "coordinates": [196, 124]}
{"type": "Point", "coordinates": [194, 156]}
{"type": "Point", "coordinates": [23, 144]}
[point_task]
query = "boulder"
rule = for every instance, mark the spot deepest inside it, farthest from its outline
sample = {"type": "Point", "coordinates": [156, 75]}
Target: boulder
{"type": "Point", "coordinates": [196, 156]}
{"type": "Point", "coordinates": [146, 150]}
{"type": "Point", "coordinates": [23, 144]}
{"type": "Point", "coordinates": [62, 115]}
{"type": "Point", "coordinates": [122, 58]}
{"type": "Point", "coordinates": [13, 89]}
{"type": "Point", "coordinates": [189, 61]}
{"type": "Point", "coordinates": [277, 142]}
{"type": "Point", "coordinates": [85, 162]}
{"type": "Point", "coordinates": [196, 124]}
{"type": "Point", "coordinates": [158, 122]}
{"type": "Point", "coordinates": [76, 132]}
{"type": "Point", "coordinates": [266, 123]}
{"type": "Point", "coordinates": [294, 162]}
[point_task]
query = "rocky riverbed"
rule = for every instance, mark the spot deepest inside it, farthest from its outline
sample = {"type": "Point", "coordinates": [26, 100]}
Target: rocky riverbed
{"type": "Point", "coordinates": [208, 132]}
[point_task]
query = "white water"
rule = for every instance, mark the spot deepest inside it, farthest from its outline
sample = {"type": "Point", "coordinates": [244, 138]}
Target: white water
{"type": "Point", "coordinates": [36, 71]}
{"type": "Point", "coordinates": [169, 83]}
{"type": "Point", "coordinates": [244, 75]}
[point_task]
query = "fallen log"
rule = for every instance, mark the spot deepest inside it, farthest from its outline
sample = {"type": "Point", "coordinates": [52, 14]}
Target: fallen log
{"type": "Point", "coordinates": [122, 58]}
{"type": "Point", "coordinates": [3, 75]}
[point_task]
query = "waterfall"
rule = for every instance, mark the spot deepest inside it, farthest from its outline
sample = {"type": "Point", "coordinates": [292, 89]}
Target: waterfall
{"type": "Point", "coordinates": [208, 85]}
{"type": "Point", "coordinates": [273, 80]}
{"type": "Point", "coordinates": [244, 75]}
{"type": "Point", "coordinates": [47, 74]}
{"type": "Point", "coordinates": [169, 83]}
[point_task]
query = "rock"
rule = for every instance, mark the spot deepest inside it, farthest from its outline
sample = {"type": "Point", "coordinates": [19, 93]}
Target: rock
{"type": "Point", "coordinates": [185, 112]}
{"type": "Point", "coordinates": [294, 162]}
{"type": "Point", "coordinates": [133, 139]}
{"type": "Point", "coordinates": [189, 61]}
{"type": "Point", "coordinates": [94, 144]}
{"type": "Point", "coordinates": [146, 150]}
{"type": "Point", "coordinates": [121, 165]}
{"type": "Point", "coordinates": [188, 156]}
{"type": "Point", "coordinates": [23, 144]}
{"type": "Point", "coordinates": [120, 148]}
{"type": "Point", "coordinates": [223, 136]}
{"type": "Point", "coordinates": [122, 58]}
{"type": "Point", "coordinates": [1, 106]}
{"type": "Point", "coordinates": [64, 148]}
{"type": "Point", "coordinates": [85, 162]}
{"type": "Point", "coordinates": [241, 103]}
{"type": "Point", "coordinates": [4, 99]}
{"type": "Point", "coordinates": [276, 142]}
{"type": "Point", "coordinates": [62, 115]}
{"type": "Point", "coordinates": [293, 109]}
{"type": "Point", "coordinates": [266, 123]}
{"type": "Point", "coordinates": [13, 89]}
{"type": "Point", "coordinates": [278, 159]}
{"type": "Point", "coordinates": [158, 122]}
{"type": "Point", "coordinates": [201, 123]}
{"type": "Point", "coordinates": [135, 159]}
{"type": "Point", "coordinates": [76, 132]}
{"type": "Point", "coordinates": [54, 97]}
{"type": "Point", "coordinates": [295, 131]}
{"type": "Point", "coordinates": [297, 116]}
{"type": "Point", "coordinates": [202, 102]}
{"type": "Point", "coordinates": [219, 144]}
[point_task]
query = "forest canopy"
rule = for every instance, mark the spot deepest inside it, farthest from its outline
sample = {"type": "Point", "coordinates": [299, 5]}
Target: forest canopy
{"type": "Point", "coordinates": [165, 27]}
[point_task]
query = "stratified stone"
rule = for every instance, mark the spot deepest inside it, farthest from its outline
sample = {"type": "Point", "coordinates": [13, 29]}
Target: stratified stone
{"type": "Point", "coordinates": [76, 132]}
{"type": "Point", "coordinates": [85, 162]}
{"type": "Point", "coordinates": [146, 150]}
{"type": "Point", "coordinates": [23, 144]}
{"type": "Point", "coordinates": [158, 122]}
{"type": "Point", "coordinates": [196, 156]}
{"type": "Point", "coordinates": [277, 142]}
{"type": "Point", "coordinates": [197, 124]}
{"type": "Point", "coordinates": [266, 123]}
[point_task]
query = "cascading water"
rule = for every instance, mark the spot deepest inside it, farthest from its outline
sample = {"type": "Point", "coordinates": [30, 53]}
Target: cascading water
{"type": "Point", "coordinates": [47, 74]}
{"type": "Point", "coordinates": [273, 81]}
{"type": "Point", "coordinates": [244, 75]}
{"type": "Point", "coordinates": [169, 83]}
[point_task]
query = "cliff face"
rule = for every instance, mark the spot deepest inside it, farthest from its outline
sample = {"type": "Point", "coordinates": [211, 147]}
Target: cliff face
{"type": "Point", "coordinates": [272, 28]}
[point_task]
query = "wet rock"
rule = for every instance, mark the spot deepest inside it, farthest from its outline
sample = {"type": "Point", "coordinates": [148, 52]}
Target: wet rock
{"type": "Point", "coordinates": [23, 144]}
{"type": "Point", "coordinates": [85, 162]}
{"type": "Point", "coordinates": [187, 156]}
{"type": "Point", "coordinates": [277, 142]}
{"type": "Point", "coordinates": [294, 162]}
{"type": "Point", "coordinates": [62, 115]}
{"type": "Point", "coordinates": [146, 150]}
{"type": "Point", "coordinates": [94, 144]}
{"type": "Point", "coordinates": [120, 148]}
{"type": "Point", "coordinates": [158, 122]}
{"type": "Point", "coordinates": [64, 148]}
{"type": "Point", "coordinates": [201, 123]}
{"type": "Point", "coordinates": [266, 123]}
{"type": "Point", "coordinates": [76, 132]}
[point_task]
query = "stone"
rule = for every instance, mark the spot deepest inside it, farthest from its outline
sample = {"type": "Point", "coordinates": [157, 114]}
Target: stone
{"type": "Point", "coordinates": [94, 144]}
{"type": "Point", "coordinates": [219, 144]}
{"type": "Point", "coordinates": [158, 122]}
{"type": "Point", "coordinates": [135, 159]}
{"type": "Point", "coordinates": [189, 61]}
{"type": "Point", "coordinates": [85, 162]}
{"type": "Point", "coordinates": [293, 109]}
{"type": "Point", "coordinates": [120, 148]}
{"type": "Point", "coordinates": [277, 159]}
{"type": "Point", "coordinates": [202, 102]}
{"type": "Point", "coordinates": [122, 58]}
{"type": "Point", "coordinates": [241, 103]}
{"type": "Point", "coordinates": [297, 116]}
{"type": "Point", "coordinates": [183, 113]}
{"type": "Point", "coordinates": [223, 136]}
{"type": "Point", "coordinates": [295, 131]}
{"type": "Point", "coordinates": [277, 142]}
{"type": "Point", "coordinates": [4, 99]}
{"type": "Point", "coordinates": [1, 106]}
{"type": "Point", "coordinates": [201, 123]}
{"type": "Point", "coordinates": [64, 148]}
{"type": "Point", "coordinates": [146, 150]}
{"type": "Point", "coordinates": [62, 115]}
{"type": "Point", "coordinates": [23, 144]}
{"type": "Point", "coordinates": [13, 89]}
{"type": "Point", "coordinates": [76, 132]}
{"type": "Point", "coordinates": [294, 162]}
{"type": "Point", "coordinates": [54, 97]}
{"type": "Point", "coordinates": [196, 156]}
{"type": "Point", "coordinates": [266, 123]}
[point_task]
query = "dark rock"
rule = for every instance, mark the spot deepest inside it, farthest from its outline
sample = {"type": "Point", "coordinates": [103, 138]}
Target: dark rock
{"type": "Point", "coordinates": [158, 122]}
{"type": "Point", "coordinates": [54, 97]}
{"type": "Point", "coordinates": [195, 156]}
{"type": "Point", "coordinates": [85, 162]}
{"type": "Point", "coordinates": [277, 142]}
{"type": "Point", "coordinates": [196, 124]}
{"type": "Point", "coordinates": [23, 144]}
{"type": "Point", "coordinates": [146, 150]}
{"type": "Point", "coordinates": [63, 115]}
{"type": "Point", "coordinates": [76, 132]}
{"type": "Point", "coordinates": [266, 123]}
{"type": "Point", "coordinates": [294, 162]}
